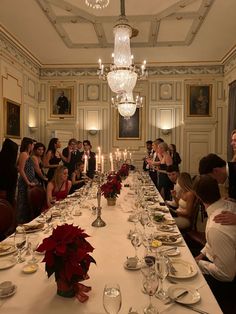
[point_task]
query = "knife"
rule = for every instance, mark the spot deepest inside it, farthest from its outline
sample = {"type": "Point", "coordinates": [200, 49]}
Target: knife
{"type": "Point", "coordinates": [191, 307]}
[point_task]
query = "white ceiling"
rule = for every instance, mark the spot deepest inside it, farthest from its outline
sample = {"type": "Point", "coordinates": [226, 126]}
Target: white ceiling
{"type": "Point", "coordinates": [66, 32]}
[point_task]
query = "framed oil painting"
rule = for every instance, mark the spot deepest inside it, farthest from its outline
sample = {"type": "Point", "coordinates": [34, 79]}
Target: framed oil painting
{"type": "Point", "coordinates": [12, 112]}
{"type": "Point", "coordinates": [199, 100]}
{"type": "Point", "coordinates": [129, 128]}
{"type": "Point", "coordinates": [61, 102]}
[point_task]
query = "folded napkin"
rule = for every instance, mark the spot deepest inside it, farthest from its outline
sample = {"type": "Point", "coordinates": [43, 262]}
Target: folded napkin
{"type": "Point", "coordinates": [33, 226]}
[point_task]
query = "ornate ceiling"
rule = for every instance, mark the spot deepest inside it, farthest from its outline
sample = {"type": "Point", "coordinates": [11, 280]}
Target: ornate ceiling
{"type": "Point", "coordinates": [65, 32]}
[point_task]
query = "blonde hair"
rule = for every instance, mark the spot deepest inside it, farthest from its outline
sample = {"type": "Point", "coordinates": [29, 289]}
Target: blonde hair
{"type": "Point", "coordinates": [57, 176]}
{"type": "Point", "coordinates": [185, 181]}
{"type": "Point", "coordinates": [164, 146]}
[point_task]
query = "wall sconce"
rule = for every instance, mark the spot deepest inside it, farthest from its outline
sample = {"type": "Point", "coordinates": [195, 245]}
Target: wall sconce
{"type": "Point", "coordinates": [33, 129]}
{"type": "Point", "coordinates": [165, 131]}
{"type": "Point", "coordinates": [93, 132]}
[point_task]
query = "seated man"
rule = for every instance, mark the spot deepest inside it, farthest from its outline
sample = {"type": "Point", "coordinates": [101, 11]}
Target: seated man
{"type": "Point", "coordinates": [173, 174]}
{"type": "Point", "coordinates": [217, 259]}
{"type": "Point", "coordinates": [216, 167]}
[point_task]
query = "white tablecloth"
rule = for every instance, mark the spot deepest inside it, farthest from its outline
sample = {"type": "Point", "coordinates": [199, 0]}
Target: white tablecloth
{"type": "Point", "coordinates": [36, 294]}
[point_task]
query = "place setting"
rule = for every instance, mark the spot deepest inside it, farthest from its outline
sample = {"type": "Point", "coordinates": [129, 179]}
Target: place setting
{"type": "Point", "coordinates": [7, 289]}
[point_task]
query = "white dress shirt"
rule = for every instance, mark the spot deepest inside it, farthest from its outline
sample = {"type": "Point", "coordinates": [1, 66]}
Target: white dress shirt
{"type": "Point", "coordinates": [220, 248]}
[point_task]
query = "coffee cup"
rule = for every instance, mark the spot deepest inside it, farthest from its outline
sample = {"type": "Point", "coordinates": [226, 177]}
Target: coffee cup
{"type": "Point", "coordinates": [132, 262]}
{"type": "Point", "coordinates": [6, 287]}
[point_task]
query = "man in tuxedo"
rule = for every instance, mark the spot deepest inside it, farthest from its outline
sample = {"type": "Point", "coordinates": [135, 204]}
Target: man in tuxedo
{"type": "Point", "coordinates": [75, 156]}
{"type": "Point", "coordinates": [91, 158]}
{"type": "Point", "coordinates": [148, 155]}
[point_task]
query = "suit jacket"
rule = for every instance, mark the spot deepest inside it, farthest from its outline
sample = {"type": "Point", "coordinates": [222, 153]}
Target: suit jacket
{"type": "Point", "coordinates": [91, 163]}
{"type": "Point", "coordinates": [75, 157]}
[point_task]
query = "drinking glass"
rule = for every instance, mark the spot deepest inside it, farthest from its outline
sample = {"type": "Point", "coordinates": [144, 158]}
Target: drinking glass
{"type": "Point", "coordinates": [20, 242]}
{"type": "Point", "coordinates": [148, 266]}
{"type": "Point", "coordinates": [112, 298]}
{"type": "Point", "coordinates": [33, 243]}
{"type": "Point", "coordinates": [150, 285]}
{"type": "Point", "coordinates": [162, 271]}
{"type": "Point", "coordinates": [144, 219]}
{"type": "Point", "coordinates": [136, 241]}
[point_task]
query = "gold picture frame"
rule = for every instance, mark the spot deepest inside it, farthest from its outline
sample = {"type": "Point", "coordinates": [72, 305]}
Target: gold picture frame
{"type": "Point", "coordinates": [12, 113]}
{"type": "Point", "coordinates": [130, 129]}
{"type": "Point", "coordinates": [199, 100]}
{"type": "Point", "coordinates": [61, 102]}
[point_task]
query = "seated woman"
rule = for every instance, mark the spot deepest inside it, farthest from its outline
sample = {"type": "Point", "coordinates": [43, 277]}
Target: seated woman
{"type": "Point", "coordinates": [58, 188]}
{"type": "Point", "coordinates": [186, 207]}
{"type": "Point", "coordinates": [78, 178]}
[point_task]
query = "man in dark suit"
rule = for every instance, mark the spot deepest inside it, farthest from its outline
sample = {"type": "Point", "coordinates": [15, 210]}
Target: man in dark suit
{"type": "Point", "coordinates": [75, 156]}
{"type": "Point", "coordinates": [91, 158]}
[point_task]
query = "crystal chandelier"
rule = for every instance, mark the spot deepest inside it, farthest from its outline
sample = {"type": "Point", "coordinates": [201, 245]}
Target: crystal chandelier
{"type": "Point", "coordinates": [122, 74]}
{"type": "Point", "coordinates": [126, 104]}
{"type": "Point", "coordinates": [97, 4]}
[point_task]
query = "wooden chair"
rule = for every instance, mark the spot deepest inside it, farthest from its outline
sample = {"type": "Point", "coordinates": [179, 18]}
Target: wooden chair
{"type": "Point", "coordinates": [36, 200]}
{"type": "Point", "coordinates": [7, 219]}
{"type": "Point", "coordinates": [195, 239]}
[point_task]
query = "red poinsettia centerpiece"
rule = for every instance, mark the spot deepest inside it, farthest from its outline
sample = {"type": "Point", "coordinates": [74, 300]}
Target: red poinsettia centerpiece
{"type": "Point", "coordinates": [124, 170]}
{"type": "Point", "coordinates": [66, 255]}
{"type": "Point", "coordinates": [111, 188]}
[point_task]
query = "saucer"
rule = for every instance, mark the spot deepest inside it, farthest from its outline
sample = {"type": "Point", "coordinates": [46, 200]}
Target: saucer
{"type": "Point", "coordinates": [9, 294]}
{"type": "Point", "coordinates": [138, 266]}
{"type": "Point", "coordinates": [30, 268]}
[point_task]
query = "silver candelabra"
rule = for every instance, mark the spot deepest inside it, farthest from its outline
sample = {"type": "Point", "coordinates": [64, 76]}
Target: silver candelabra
{"type": "Point", "coordinates": [98, 222]}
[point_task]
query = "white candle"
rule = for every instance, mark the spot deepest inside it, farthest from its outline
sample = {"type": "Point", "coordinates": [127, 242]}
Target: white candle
{"type": "Point", "coordinates": [85, 163]}
{"type": "Point", "coordinates": [102, 170]}
{"type": "Point", "coordinates": [96, 157]}
{"type": "Point", "coordinates": [130, 156]}
{"type": "Point", "coordinates": [111, 160]}
{"type": "Point", "coordinates": [99, 64]}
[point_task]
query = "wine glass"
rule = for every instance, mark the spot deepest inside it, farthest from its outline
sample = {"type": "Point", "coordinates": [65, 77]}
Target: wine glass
{"type": "Point", "coordinates": [112, 298]}
{"type": "Point", "coordinates": [20, 242]}
{"type": "Point", "coordinates": [33, 243]}
{"type": "Point", "coordinates": [150, 285]}
{"type": "Point", "coordinates": [162, 271]}
{"type": "Point", "coordinates": [136, 241]}
{"type": "Point", "coordinates": [144, 219]}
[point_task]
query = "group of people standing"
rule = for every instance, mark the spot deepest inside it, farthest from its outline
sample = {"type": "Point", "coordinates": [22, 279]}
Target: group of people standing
{"type": "Point", "coordinates": [55, 171]}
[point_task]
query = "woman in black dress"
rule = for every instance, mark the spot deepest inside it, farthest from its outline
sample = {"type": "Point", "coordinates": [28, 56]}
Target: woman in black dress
{"type": "Point", "coordinates": [174, 155]}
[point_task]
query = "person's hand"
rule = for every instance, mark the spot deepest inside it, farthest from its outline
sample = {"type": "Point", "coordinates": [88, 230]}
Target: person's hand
{"type": "Point", "coordinates": [226, 218]}
{"type": "Point", "coordinates": [31, 184]}
{"type": "Point", "coordinates": [199, 257]}
{"type": "Point", "coordinates": [173, 192]}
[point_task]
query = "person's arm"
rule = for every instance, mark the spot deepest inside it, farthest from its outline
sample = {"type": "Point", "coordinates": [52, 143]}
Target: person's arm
{"type": "Point", "coordinates": [223, 256]}
{"type": "Point", "coordinates": [50, 187]}
{"type": "Point", "coordinates": [37, 168]}
{"type": "Point", "coordinates": [168, 160]}
{"type": "Point", "coordinates": [21, 167]}
{"type": "Point", "coordinates": [187, 212]}
{"type": "Point", "coordinates": [73, 179]}
{"type": "Point", "coordinates": [226, 218]}
{"type": "Point", "coordinates": [69, 186]}
{"type": "Point", "coordinates": [66, 158]}
{"type": "Point", "coordinates": [46, 159]}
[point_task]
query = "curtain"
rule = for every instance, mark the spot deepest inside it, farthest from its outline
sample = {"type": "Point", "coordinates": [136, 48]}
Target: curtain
{"type": "Point", "coordinates": [231, 116]}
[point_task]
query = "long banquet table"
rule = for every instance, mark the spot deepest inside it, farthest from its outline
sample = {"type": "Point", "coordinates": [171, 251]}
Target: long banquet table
{"type": "Point", "coordinates": [37, 294]}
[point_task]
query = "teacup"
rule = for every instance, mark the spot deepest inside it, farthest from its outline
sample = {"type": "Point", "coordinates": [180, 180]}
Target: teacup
{"type": "Point", "coordinates": [6, 287]}
{"type": "Point", "coordinates": [132, 262]}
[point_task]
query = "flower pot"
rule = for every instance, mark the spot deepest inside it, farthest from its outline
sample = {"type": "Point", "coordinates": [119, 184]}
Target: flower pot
{"type": "Point", "coordinates": [111, 201]}
{"type": "Point", "coordinates": [64, 289]}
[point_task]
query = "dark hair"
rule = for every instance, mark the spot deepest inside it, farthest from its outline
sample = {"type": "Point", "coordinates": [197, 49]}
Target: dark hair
{"type": "Point", "coordinates": [26, 141]}
{"type": "Point", "coordinates": [159, 139]}
{"type": "Point", "coordinates": [8, 153]}
{"type": "Point", "coordinates": [86, 142]}
{"type": "Point", "coordinates": [172, 168]}
{"type": "Point", "coordinates": [51, 145]}
{"type": "Point", "coordinates": [78, 164]}
{"type": "Point", "coordinates": [209, 162]}
{"type": "Point", "coordinates": [174, 147]}
{"type": "Point", "coordinates": [72, 140]}
{"type": "Point", "coordinates": [206, 188]}
{"type": "Point", "coordinates": [149, 142]}
{"type": "Point", "coordinates": [38, 145]}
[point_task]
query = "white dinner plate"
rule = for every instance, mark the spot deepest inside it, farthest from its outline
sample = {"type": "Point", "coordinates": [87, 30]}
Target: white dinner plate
{"type": "Point", "coordinates": [184, 269]}
{"type": "Point", "coordinates": [192, 297]}
{"type": "Point", "coordinates": [7, 248]}
{"type": "Point", "coordinates": [9, 294]}
{"type": "Point", "coordinates": [164, 238]}
{"type": "Point", "coordinates": [33, 227]}
{"type": "Point", "coordinates": [138, 266]}
{"type": "Point", "coordinates": [174, 252]}
{"type": "Point", "coordinates": [7, 262]}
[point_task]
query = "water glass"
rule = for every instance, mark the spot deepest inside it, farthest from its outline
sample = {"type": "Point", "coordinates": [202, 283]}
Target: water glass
{"type": "Point", "coordinates": [150, 285]}
{"type": "Point", "coordinates": [112, 298]}
{"type": "Point", "coordinates": [136, 240]}
{"type": "Point", "coordinates": [20, 242]}
{"type": "Point", "coordinates": [162, 271]}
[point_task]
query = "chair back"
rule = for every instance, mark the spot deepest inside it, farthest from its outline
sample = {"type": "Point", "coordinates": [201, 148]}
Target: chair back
{"type": "Point", "coordinates": [7, 219]}
{"type": "Point", "coordinates": [36, 200]}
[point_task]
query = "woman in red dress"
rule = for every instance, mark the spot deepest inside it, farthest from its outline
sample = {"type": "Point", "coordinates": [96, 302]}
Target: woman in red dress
{"type": "Point", "coordinates": [59, 187]}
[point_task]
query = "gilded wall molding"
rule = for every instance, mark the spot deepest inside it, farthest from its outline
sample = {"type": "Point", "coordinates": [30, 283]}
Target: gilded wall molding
{"type": "Point", "coordinates": [8, 48]}
{"type": "Point", "coordinates": [153, 71]}
{"type": "Point", "coordinates": [230, 64]}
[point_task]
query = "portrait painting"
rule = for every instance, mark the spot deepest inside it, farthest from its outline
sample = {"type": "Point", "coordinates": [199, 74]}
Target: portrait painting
{"type": "Point", "coordinates": [61, 102]}
{"type": "Point", "coordinates": [130, 128]}
{"type": "Point", "coordinates": [199, 100]}
{"type": "Point", "coordinates": [12, 118]}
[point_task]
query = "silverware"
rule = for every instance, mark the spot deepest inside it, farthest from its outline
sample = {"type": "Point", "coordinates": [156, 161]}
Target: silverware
{"type": "Point", "coordinates": [191, 307]}
{"type": "Point", "coordinates": [182, 294]}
